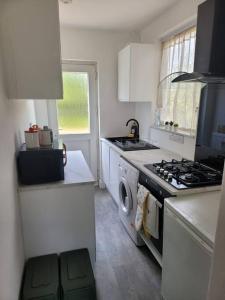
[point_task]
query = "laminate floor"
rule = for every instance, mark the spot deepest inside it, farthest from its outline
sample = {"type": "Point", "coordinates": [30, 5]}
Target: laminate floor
{"type": "Point", "coordinates": [123, 271]}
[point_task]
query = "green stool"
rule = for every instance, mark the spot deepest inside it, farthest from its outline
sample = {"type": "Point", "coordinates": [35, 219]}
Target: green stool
{"type": "Point", "coordinates": [77, 278]}
{"type": "Point", "coordinates": [41, 279]}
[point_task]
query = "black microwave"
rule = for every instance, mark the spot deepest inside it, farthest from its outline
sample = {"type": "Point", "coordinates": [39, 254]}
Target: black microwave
{"type": "Point", "coordinates": [42, 165]}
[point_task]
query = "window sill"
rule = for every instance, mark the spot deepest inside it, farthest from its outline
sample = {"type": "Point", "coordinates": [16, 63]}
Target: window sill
{"type": "Point", "coordinates": [191, 133]}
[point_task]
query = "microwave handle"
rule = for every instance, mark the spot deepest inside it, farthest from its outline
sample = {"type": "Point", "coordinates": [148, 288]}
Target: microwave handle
{"type": "Point", "coordinates": [64, 155]}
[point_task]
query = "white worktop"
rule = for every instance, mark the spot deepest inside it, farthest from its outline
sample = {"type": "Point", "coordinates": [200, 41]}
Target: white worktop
{"type": "Point", "coordinates": [142, 157]}
{"type": "Point", "coordinates": [77, 172]}
{"type": "Point", "coordinates": [199, 212]}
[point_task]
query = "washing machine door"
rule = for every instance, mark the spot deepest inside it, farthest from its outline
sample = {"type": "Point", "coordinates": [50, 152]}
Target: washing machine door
{"type": "Point", "coordinates": [126, 202]}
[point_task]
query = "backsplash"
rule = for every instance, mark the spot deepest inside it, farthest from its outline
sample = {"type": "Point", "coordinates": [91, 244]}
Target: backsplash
{"type": "Point", "coordinates": [177, 143]}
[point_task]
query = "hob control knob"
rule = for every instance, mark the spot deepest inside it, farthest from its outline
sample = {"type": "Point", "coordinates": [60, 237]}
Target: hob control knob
{"type": "Point", "coordinates": [165, 173]}
{"type": "Point", "coordinates": [170, 176]}
{"type": "Point", "coordinates": [157, 169]}
{"type": "Point", "coordinates": [161, 171]}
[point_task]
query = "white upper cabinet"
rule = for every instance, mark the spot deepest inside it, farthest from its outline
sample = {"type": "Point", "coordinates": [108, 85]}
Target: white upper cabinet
{"type": "Point", "coordinates": [138, 72]}
{"type": "Point", "coordinates": [30, 38]}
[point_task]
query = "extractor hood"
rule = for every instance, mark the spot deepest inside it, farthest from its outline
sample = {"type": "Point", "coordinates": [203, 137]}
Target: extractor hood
{"type": "Point", "coordinates": [209, 66]}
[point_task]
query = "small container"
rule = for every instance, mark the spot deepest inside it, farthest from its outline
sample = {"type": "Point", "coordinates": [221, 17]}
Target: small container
{"type": "Point", "coordinates": [45, 137]}
{"type": "Point", "coordinates": [32, 137]}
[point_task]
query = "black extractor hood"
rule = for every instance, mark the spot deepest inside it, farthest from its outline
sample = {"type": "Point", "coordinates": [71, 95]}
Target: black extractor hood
{"type": "Point", "coordinates": [209, 66]}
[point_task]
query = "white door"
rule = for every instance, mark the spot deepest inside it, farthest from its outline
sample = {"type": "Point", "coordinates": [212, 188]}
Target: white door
{"type": "Point", "coordinates": [75, 118]}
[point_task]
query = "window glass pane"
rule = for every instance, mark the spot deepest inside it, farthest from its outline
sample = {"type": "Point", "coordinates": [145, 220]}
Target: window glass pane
{"type": "Point", "coordinates": [73, 110]}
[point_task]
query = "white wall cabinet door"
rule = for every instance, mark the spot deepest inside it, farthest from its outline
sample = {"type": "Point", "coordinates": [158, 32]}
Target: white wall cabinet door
{"type": "Point", "coordinates": [114, 174]}
{"type": "Point", "coordinates": [124, 74]}
{"type": "Point", "coordinates": [105, 163]}
{"type": "Point", "coordinates": [31, 49]}
{"type": "Point", "coordinates": [138, 72]}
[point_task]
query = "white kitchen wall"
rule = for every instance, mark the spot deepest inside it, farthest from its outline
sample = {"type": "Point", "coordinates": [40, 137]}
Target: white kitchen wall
{"type": "Point", "coordinates": [172, 141]}
{"type": "Point", "coordinates": [15, 116]}
{"type": "Point", "coordinates": [102, 47]}
{"type": "Point", "coordinates": [174, 20]}
{"type": "Point", "coordinates": [143, 115]}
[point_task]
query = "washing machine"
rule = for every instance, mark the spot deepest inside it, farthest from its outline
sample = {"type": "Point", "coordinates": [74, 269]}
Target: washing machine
{"type": "Point", "coordinates": [128, 183]}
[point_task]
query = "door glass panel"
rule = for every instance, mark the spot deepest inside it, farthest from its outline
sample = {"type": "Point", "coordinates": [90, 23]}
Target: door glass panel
{"type": "Point", "coordinates": [73, 110]}
{"type": "Point", "coordinates": [124, 196]}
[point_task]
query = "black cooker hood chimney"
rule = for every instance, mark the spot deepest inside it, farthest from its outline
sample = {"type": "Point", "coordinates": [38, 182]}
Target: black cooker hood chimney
{"type": "Point", "coordinates": [209, 66]}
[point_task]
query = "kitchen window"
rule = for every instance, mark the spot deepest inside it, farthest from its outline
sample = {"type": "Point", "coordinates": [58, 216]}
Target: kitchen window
{"type": "Point", "coordinates": [179, 102]}
{"type": "Point", "coordinates": [73, 111]}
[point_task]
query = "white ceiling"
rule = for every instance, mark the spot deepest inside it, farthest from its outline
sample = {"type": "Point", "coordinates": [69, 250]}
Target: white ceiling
{"type": "Point", "coordinates": [112, 14]}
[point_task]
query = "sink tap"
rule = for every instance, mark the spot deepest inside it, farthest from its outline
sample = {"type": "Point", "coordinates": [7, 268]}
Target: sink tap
{"type": "Point", "coordinates": [134, 128]}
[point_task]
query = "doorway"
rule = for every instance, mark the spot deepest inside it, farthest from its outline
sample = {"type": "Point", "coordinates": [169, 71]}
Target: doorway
{"type": "Point", "coordinates": [75, 118]}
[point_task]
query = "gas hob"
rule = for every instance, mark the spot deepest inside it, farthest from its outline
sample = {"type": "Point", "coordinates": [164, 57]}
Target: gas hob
{"type": "Point", "coordinates": [186, 174]}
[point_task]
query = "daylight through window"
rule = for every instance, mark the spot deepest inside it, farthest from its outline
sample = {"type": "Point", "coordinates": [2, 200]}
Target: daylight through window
{"type": "Point", "coordinates": [178, 102]}
{"type": "Point", "coordinates": [73, 111]}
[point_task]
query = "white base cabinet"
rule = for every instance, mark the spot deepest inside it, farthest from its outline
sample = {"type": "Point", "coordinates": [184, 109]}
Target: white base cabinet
{"type": "Point", "coordinates": [58, 219]}
{"type": "Point", "coordinates": [114, 161]}
{"type": "Point", "coordinates": [105, 163]}
{"type": "Point", "coordinates": [186, 261]}
{"type": "Point", "coordinates": [110, 159]}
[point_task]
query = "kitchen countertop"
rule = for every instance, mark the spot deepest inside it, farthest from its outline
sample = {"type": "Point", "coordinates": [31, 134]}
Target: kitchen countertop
{"type": "Point", "coordinates": [76, 172]}
{"type": "Point", "coordinates": [199, 212]}
{"type": "Point", "coordinates": [142, 157]}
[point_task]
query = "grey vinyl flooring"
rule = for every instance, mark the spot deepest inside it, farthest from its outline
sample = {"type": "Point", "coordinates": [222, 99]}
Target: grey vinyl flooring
{"type": "Point", "coordinates": [123, 271]}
